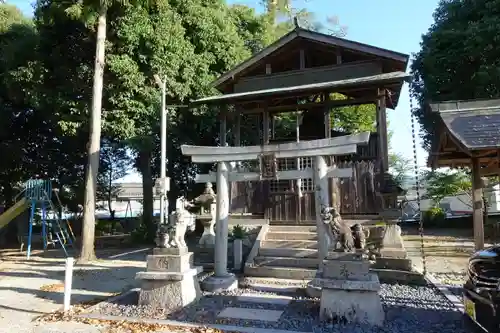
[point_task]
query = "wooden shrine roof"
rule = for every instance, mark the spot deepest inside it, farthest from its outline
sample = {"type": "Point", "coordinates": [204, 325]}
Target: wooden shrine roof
{"type": "Point", "coordinates": [379, 81]}
{"type": "Point", "coordinates": [467, 129]}
{"type": "Point", "coordinates": [398, 61]}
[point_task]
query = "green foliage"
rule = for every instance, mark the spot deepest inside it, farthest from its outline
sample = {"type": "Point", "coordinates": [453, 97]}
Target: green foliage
{"type": "Point", "coordinates": [399, 167]}
{"type": "Point", "coordinates": [238, 232]}
{"type": "Point", "coordinates": [434, 217]}
{"type": "Point", "coordinates": [459, 58]}
{"type": "Point", "coordinates": [440, 184]}
{"type": "Point", "coordinates": [354, 118]}
{"type": "Point", "coordinates": [103, 226]}
{"type": "Point", "coordinates": [46, 92]}
{"type": "Point", "coordinates": [281, 14]}
{"type": "Point", "coordinates": [140, 235]}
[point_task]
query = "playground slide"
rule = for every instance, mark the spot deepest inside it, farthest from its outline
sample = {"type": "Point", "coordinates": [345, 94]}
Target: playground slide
{"type": "Point", "coordinates": [13, 212]}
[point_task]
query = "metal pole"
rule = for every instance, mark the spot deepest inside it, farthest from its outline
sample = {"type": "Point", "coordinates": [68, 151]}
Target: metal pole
{"type": "Point", "coordinates": [163, 161]}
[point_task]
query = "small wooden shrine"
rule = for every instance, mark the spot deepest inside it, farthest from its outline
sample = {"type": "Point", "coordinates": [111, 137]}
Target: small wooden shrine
{"type": "Point", "coordinates": [467, 134]}
{"type": "Point", "coordinates": [289, 92]}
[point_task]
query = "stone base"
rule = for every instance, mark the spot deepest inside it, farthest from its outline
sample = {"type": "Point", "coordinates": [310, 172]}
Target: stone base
{"type": "Point", "coordinates": [220, 283]}
{"type": "Point", "coordinates": [176, 251]}
{"type": "Point", "coordinates": [393, 263]}
{"type": "Point", "coordinates": [171, 291]}
{"type": "Point", "coordinates": [313, 288]}
{"type": "Point", "coordinates": [351, 306]}
{"type": "Point", "coordinates": [393, 252]}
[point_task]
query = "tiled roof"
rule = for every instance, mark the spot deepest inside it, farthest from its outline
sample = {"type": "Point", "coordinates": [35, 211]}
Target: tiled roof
{"type": "Point", "coordinates": [476, 124]}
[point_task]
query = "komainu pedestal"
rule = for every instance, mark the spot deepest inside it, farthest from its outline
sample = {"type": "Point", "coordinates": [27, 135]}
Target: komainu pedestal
{"type": "Point", "coordinates": [349, 291]}
{"type": "Point", "coordinates": [170, 281]}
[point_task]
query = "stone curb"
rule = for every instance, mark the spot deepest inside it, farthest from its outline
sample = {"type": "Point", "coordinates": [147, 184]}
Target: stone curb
{"type": "Point", "coordinates": [225, 328]}
{"type": "Point", "coordinates": [454, 300]}
{"type": "Point", "coordinates": [457, 303]}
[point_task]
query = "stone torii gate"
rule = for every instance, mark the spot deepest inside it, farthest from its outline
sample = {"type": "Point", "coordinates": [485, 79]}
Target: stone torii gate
{"type": "Point", "coordinates": [267, 155]}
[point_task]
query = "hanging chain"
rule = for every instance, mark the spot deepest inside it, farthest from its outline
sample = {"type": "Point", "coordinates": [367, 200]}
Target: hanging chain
{"type": "Point", "coordinates": [417, 184]}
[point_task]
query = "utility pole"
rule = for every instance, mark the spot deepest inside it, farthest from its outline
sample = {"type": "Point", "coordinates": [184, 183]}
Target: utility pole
{"type": "Point", "coordinates": [163, 184]}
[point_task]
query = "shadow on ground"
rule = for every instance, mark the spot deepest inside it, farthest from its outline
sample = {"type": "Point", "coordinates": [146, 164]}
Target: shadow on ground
{"type": "Point", "coordinates": [402, 315]}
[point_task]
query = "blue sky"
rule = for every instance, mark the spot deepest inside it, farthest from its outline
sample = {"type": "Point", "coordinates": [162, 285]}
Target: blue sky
{"type": "Point", "coordinates": [391, 24]}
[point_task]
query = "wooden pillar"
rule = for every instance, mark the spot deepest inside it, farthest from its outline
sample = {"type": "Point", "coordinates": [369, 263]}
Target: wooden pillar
{"type": "Point", "coordinates": [265, 126]}
{"type": "Point", "coordinates": [234, 187]}
{"type": "Point", "coordinates": [237, 129]}
{"type": "Point", "coordinates": [477, 205]}
{"type": "Point", "coordinates": [222, 208]}
{"type": "Point", "coordinates": [298, 184]}
{"type": "Point", "coordinates": [265, 184]}
{"type": "Point", "coordinates": [382, 131]}
{"type": "Point", "coordinates": [339, 56]}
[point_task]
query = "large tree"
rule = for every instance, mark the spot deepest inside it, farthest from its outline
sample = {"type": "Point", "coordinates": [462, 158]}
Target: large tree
{"type": "Point", "coordinates": [459, 58]}
{"type": "Point", "coordinates": [19, 123]}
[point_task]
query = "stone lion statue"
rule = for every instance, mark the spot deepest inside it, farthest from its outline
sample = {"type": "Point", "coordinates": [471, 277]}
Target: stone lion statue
{"type": "Point", "coordinates": [338, 231]}
{"type": "Point", "coordinates": [179, 222]}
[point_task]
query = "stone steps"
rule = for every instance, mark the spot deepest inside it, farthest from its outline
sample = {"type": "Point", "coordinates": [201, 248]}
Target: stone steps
{"type": "Point", "coordinates": [286, 262]}
{"type": "Point", "coordinates": [292, 228]}
{"type": "Point", "coordinates": [289, 244]}
{"type": "Point", "coordinates": [280, 272]}
{"type": "Point", "coordinates": [291, 235]}
{"type": "Point", "coordinates": [288, 252]}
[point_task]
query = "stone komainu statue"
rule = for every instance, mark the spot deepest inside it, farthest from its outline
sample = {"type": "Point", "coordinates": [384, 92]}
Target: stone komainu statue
{"type": "Point", "coordinates": [350, 238]}
{"type": "Point", "coordinates": [340, 231]}
{"type": "Point", "coordinates": [359, 236]}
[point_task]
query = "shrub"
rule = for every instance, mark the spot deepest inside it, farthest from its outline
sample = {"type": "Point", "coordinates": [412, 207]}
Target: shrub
{"type": "Point", "coordinates": [434, 217]}
{"type": "Point", "coordinates": [103, 226]}
{"type": "Point", "coordinates": [238, 232]}
{"type": "Point", "coordinates": [139, 235]}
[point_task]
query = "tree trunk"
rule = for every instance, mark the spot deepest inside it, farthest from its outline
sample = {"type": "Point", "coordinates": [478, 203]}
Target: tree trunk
{"type": "Point", "coordinates": [88, 233]}
{"type": "Point", "coordinates": [147, 193]}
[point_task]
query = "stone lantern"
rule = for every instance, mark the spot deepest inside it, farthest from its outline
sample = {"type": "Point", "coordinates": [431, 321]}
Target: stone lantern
{"type": "Point", "coordinates": [206, 215]}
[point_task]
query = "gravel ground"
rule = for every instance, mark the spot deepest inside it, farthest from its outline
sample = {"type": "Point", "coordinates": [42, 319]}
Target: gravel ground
{"type": "Point", "coordinates": [453, 281]}
{"type": "Point", "coordinates": [408, 309]}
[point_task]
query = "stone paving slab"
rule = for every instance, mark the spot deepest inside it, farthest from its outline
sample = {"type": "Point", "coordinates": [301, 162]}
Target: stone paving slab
{"type": "Point", "coordinates": [250, 314]}
{"type": "Point", "coordinates": [265, 298]}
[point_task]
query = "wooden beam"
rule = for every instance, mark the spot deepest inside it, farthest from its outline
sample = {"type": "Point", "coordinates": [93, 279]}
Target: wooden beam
{"type": "Point", "coordinates": [444, 162]}
{"type": "Point", "coordinates": [489, 171]}
{"type": "Point", "coordinates": [332, 172]}
{"type": "Point", "coordinates": [477, 205]}
{"type": "Point", "coordinates": [311, 105]}
{"type": "Point", "coordinates": [491, 152]}
{"type": "Point", "coordinates": [458, 144]}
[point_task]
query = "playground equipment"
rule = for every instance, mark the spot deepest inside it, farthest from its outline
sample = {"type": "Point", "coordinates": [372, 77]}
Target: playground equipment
{"type": "Point", "coordinates": [13, 212]}
{"type": "Point", "coordinates": [38, 193]}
